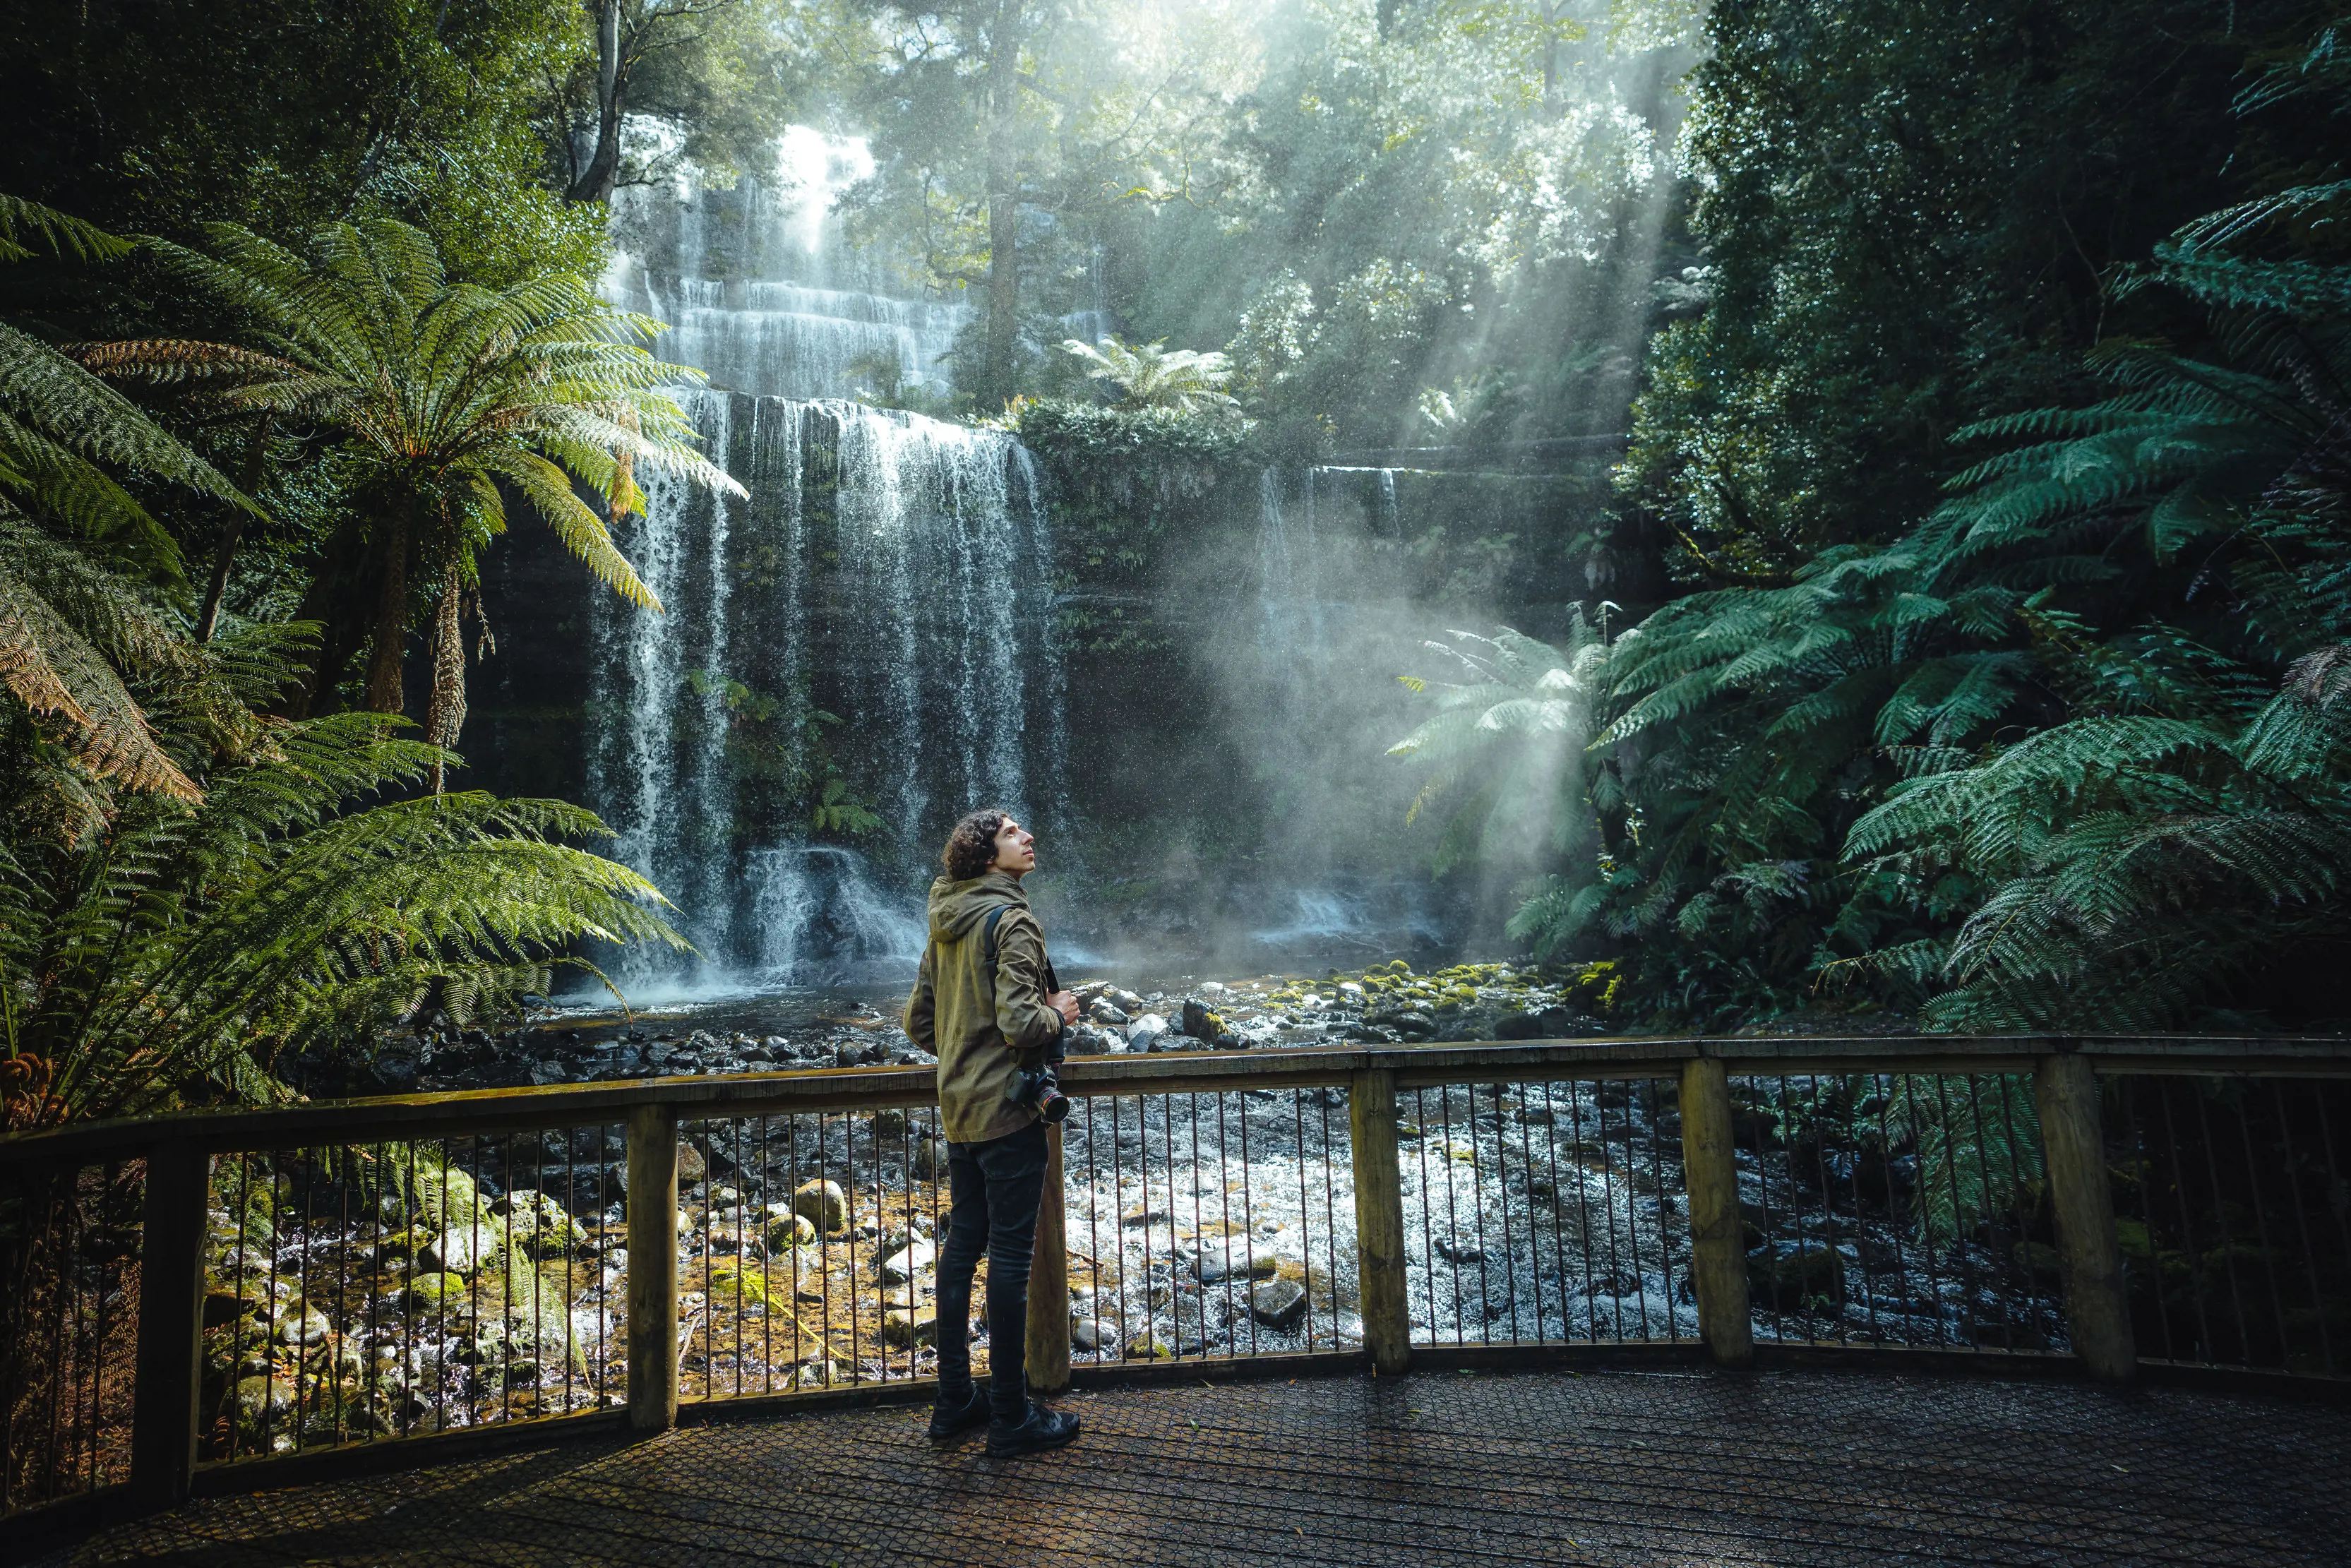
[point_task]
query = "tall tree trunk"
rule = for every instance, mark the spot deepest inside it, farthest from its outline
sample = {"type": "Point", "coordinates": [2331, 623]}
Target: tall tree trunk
{"type": "Point", "coordinates": [446, 716]}
{"type": "Point", "coordinates": [385, 692]}
{"type": "Point", "coordinates": [595, 182]}
{"type": "Point", "coordinates": [1003, 338]}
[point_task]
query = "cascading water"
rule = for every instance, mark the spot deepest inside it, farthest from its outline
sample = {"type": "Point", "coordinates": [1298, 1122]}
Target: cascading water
{"type": "Point", "coordinates": [856, 654]}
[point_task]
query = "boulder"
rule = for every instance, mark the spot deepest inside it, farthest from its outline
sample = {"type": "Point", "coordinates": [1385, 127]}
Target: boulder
{"type": "Point", "coordinates": [461, 1248]}
{"type": "Point", "coordinates": [930, 1157]}
{"type": "Point", "coordinates": [1149, 1346]}
{"type": "Point", "coordinates": [1091, 1335]}
{"type": "Point", "coordinates": [908, 1327]}
{"type": "Point", "coordinates": [1551, 1023]}
{"type": "Point", "coordinates": [1790, 1273]}
{"type": "Point", "coordinates": [430, 1292]}
{"type": "Point", "coordinates": [297, 1322]}
{"type": "Point", "coordinates": [1232, 1259]}
{"type": "Point", "coordinates": [787, 1229]}
{"type": "Point", "coordinates": [1108, 1012]}
{"type": "Point", "coordinates": [908, 1261]}
{"type": "Point", "coordinates": [540, 1226]}
{"type": "Point", "coordinates": [692, 1166]}
{"type": "Point", "coordinates": [1278, 1304]}
{"type": "Point", "coordinates": [824, 1204]}
{"type": "Point", "coordinates": [1144, 1030]}
{"type": "Point", "coordinates": [1200, 1023]}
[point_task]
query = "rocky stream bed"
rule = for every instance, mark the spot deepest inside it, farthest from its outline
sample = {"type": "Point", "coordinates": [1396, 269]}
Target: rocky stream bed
{"type": "Point", "coordinates": [417, 1287]}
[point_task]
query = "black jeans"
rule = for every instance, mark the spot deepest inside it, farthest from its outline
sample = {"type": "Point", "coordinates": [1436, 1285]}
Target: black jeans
{"type": "Point", "coordinates": [995, 1188]}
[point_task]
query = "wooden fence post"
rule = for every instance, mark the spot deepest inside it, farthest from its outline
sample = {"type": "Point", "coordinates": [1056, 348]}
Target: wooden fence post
{"type": "Point", "coordinates": [1049, 1279]}
{"type": "Point", "coordinates": [1379, 1219]}
{"type": "Point", "coordinates": [1717, 1242]}
{"type": "Point", "coordinates": [171, 1326]}
{"type": "Point", "coordinates": [652, 1267]}
{"type": "Point", "coordinates": [2089, 1255]}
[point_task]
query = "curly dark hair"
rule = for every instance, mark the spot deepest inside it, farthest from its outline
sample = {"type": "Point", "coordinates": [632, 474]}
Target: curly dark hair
{"type": "Point", "coordinates": [971, 847]}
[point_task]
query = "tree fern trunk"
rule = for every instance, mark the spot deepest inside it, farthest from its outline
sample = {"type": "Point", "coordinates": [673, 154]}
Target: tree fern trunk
{"type": "Point", "coordinates": [385, 692]}
{"type": "Point", "coordinates": [446, 716]}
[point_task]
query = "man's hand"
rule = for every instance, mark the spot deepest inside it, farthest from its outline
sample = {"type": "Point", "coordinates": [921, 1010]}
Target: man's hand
{"type": "Point", "coordinates": [1066, 1004]}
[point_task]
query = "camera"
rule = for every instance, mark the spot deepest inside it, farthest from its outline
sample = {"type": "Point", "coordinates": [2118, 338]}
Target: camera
{"type": "Point", "coordinates": [1039, 1086]}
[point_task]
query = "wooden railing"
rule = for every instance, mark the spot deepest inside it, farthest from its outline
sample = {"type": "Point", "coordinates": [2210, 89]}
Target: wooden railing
{"type": "Point", "coordinates": [1706, 1120]}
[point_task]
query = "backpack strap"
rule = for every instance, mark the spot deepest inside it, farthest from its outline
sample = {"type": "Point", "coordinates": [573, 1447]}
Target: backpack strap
{"type": "Point", "coordinates": [987, 960]}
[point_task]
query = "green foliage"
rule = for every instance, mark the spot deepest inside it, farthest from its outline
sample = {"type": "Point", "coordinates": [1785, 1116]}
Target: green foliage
{"type": "Point", "coordinates": [1887, 259]}
{"type": "Point", "coordinates": [188, 888]}
{"type": "Point", "coordinates": [70, 629]}
{"type": "Point", "coordinates": [2061, 748]}
{"type": "Point", "coordinates": [449, 397]}
{"type": "Point", "coordinates": [1125, 484]}
{"type": "Point", "coordinates": [175, 954]}
{"type": "Point", "coordinates": [1505, 748]}
{"type": "Point", "coordinates": [1151, 376]}
{"type": "Point", "coordinates": [153, 119]}
{"type": "Point", "coordinates": [792, 776]}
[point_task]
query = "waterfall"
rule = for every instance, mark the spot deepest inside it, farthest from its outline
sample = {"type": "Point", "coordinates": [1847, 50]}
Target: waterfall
{"type": "Point", "coordinates": [869, 632]}
{"type": "Point", "coordinates": [878, 612]}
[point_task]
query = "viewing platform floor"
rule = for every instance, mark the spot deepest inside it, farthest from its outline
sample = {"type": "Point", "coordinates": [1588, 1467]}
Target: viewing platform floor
{"type": "Point", "coordinates": [1681, 1467]}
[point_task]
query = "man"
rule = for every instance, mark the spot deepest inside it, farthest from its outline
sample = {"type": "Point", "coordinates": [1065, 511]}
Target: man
{"type": "Point", "coordinates": [996, 1146]}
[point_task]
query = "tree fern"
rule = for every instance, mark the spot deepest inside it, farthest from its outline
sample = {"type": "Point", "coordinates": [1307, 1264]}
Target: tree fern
{"type": "Point", "coordinates": [442, 392]}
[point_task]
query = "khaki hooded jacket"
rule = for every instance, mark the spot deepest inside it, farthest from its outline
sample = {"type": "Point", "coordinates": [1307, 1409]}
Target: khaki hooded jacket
{"type": "Point", "coordinates": [950, 1012]}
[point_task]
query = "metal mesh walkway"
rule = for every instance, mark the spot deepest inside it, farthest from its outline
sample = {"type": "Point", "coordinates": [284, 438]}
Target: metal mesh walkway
{"type": "Point", "coordinates": [1607, 1467]}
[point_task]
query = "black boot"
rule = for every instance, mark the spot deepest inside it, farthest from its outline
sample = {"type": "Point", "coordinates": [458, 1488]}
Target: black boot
{"type": "Point", "coordinates": [949, 1422]}
{"type": "Point", "coordinates": [1042, 1429]}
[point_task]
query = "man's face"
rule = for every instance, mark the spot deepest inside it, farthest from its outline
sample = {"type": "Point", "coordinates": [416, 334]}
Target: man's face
{"type": "Point", "coordinates": [1016, 849]}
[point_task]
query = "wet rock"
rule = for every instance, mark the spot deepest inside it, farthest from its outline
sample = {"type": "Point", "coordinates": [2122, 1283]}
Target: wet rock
{"type": "Point", "coordinates": [1200, 1023]}
{"type": "Point", "coordinates": [824, 1204]}
{"type": "Point", "coordinates": [540, 1226]}
{"type": "Point", "coordinates": [296, 1323]}
{"type": "Point", "coordinates": [1149, 1346]}
{"type": "Point", "coordinates": [1144, 1030]}
{"type": "Point", "coordinates": [1231, 1258]}
{"type": "Point", "coordinates": [890, 1122]}
{"type": "Point", "coordinates": [1551, 1023]}
{"type": "Point", "coordinates": [909, 1327]}
{"type": "Point", "coordinates": [902, 1265]}
{"type": "Point", "coordinates": [1278, 1304]}
{"type": "Point", "coordinates": [1459, 1249]}
{"type": "Point", "coordinates": [1790, 1273]}
{"type": "Point", "coordinates": [1415, 1025]}
{"type": "Point", "coordinates": [1091, 1335]}
{"type": "Point", "coordinates": [1108, 1012]}
{"type": "Point", "coordinates": [693, 1165]}
{"type": "Point", "coordinates": [787, 1229]}
{"type": "Point", "coordinates": [930, 1157]}
{"type": "Point", "coordinates": [429, 1293]}
{"type": "Point", "coordinates": [265, 1400]}
{"type": "Point", "coordinates": [461, 1248]}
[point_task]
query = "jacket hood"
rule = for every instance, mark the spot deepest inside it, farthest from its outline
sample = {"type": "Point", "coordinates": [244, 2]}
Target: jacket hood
{"type": "Point", "coordinates": [958, 907]}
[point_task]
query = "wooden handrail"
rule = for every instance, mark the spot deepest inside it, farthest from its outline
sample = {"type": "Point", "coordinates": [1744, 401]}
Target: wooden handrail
{"type": "Point", "coordinates": [390, 1118]}
{"type": "Point", "coordinates": [2066, 1069]}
